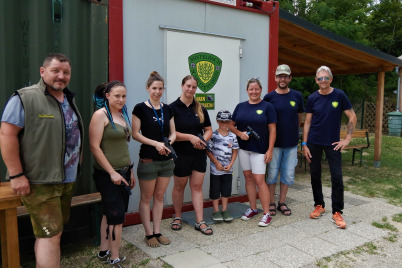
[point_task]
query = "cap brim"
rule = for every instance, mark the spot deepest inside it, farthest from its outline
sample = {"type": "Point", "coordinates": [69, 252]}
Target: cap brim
{"type": "Point", "coordinates": [282, 72]}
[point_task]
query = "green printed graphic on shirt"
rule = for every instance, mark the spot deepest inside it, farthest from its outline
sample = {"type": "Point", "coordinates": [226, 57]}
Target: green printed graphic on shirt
{"type": "Point", "coordinates": [293, 103]}
{"type": "Point", "coordinates": [334, 104]}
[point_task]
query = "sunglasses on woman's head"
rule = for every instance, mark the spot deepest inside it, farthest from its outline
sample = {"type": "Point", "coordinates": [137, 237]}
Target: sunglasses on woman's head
{"type": "Point", "coordinates": [327, 78]}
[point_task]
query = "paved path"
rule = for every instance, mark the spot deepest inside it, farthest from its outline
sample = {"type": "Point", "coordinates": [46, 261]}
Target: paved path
{"type": "Point", "coordinates": [295, 241]}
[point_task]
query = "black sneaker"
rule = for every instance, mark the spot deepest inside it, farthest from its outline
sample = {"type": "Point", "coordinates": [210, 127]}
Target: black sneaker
{"type": "Point", "coordinates": [117, 263]}
{"type": "Point", "coordinates": [105, 258]}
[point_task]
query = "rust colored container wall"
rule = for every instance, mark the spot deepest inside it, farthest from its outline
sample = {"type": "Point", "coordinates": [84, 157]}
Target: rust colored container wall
{"type": "Point", "coordinates": [29, 30]}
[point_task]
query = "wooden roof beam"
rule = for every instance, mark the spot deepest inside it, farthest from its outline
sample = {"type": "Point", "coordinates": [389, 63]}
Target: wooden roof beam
{"type": "Point", "coordinates": [317, 39]}
{"type": "Point", "coordinates": [311, 53]}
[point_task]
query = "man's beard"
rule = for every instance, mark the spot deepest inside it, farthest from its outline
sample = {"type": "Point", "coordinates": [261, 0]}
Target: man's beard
{"type": "Point", "coordinates": [283, 87]}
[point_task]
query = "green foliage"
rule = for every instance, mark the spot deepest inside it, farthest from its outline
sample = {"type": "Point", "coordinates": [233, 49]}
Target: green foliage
{"type": "Point", "coordinates": [377, 24]}
{"type": "Point", "coordinates": [384, 27]}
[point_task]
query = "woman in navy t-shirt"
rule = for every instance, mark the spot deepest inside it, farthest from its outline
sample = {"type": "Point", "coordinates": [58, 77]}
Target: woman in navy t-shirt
{"type": "Point", "coordinates": [255, 152]}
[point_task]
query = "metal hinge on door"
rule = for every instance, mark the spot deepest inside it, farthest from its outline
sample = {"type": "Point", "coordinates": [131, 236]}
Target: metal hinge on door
{"type": "Point", "coordinates": [57, 11]}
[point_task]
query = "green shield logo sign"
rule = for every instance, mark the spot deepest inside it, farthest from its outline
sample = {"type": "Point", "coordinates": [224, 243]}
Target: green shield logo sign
{"type": "Point", "coordinates": [293, 103]}
{"type": "Point", "coordinates": [335, 104]}
{"type": "Point", "coordinates": [206, 68]}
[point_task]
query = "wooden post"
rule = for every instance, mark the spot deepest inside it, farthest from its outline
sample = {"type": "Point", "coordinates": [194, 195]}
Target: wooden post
{"type": "Point", "coordinates": [378, 117]}
{"type": "Point", "coordinates": [400, 89]}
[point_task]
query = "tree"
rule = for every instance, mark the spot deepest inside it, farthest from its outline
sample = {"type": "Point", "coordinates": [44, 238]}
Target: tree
{"type": "Point", "coordinates": [369, 22]}
{"type": "Point", "coordinates": [384, 27]}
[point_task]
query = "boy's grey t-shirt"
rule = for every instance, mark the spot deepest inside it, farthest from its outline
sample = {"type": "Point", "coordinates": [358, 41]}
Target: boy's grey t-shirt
{"type": "Point", "coordinates": [222, 147]}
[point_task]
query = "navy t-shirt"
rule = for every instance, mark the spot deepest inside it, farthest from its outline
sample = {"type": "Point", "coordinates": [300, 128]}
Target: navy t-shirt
{"type": "Point", "coordinates": [257, 116]}
{"type": "Point", "coordinates": [287, 107]}
{"type": "Point", "coordinates": [327, 112]}
{"type": "Point", "coordinates": [151, 129]}
{"type": "Point", "coordinates": [187, 121]}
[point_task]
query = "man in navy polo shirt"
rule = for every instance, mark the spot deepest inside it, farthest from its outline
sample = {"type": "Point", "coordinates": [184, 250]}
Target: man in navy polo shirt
{"type": "Point", "coordinates": [289, 108]}
{"type": "Point", "coordinates": [321, 133]}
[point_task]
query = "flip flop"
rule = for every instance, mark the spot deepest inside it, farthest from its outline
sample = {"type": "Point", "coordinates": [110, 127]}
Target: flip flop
{"type": "Point", "coordinates": [272, 212]}
{"type": "Point", "coordinates": [176, 224]}
{"type": "Point", "coordinates": [284, 210]}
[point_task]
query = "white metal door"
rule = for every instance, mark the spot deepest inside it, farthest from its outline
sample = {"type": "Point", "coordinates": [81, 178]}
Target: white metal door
{"type": "Point", "coordinates": [179, 46]}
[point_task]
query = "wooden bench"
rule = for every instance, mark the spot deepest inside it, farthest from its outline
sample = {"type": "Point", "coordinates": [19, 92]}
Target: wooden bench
{"type": "Point", "coordinates": [78, 200]}
{"type": "Point", "coordinates": [357, 133]}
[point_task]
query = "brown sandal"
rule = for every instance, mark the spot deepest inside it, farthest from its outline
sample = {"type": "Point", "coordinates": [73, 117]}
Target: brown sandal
{"type": "Point", "coordinates": [162, 239]}
{"type": "Point", "coordinates": [152, 242]}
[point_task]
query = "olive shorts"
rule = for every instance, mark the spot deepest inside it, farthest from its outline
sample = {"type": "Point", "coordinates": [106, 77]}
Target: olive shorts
{"type": "Point", "coordinates": [49, 207]}
{"type": "Point", "coordinates": [154, 169]}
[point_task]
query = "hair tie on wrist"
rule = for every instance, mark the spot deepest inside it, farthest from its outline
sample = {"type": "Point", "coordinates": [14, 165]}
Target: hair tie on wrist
{"type": "Point", "coordinates": [16, 176]}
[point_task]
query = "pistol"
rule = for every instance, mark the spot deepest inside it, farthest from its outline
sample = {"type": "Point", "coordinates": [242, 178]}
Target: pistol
{"type": "Point", "coordinates": [206, 144]}
{"type": "Point", "coordinates": [169, 146]}
{"type": "Point", "coordinates": [252, 133]}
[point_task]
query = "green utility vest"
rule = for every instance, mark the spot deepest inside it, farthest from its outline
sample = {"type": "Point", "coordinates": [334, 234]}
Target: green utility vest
{"type": "Point", "coordinates": [42, 140]}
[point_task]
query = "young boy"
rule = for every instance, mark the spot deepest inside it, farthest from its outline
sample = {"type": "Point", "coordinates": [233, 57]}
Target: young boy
{"type": "Point", "coordinates": [223, 153]}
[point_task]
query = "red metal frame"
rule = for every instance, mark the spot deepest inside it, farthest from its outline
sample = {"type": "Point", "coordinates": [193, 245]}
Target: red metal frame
{"type": "Point", "coordinates": [116, 65]}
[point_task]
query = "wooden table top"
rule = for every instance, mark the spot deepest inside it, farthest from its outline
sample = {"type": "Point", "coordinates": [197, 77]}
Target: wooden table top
{"type": "Point", "coordinates": [8, 198]}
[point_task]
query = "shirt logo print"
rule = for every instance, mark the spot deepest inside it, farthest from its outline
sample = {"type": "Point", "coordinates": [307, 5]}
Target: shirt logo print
{"type": "Point", "coordinates": [293, 103]}
{"type": "Point", "coordinates": [259, 111]}
{"type": "Point", "coordinates": [335, 104]}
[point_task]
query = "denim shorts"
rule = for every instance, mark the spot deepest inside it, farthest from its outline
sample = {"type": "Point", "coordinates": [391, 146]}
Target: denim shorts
{"type": "Point", "coordinates": [284, 160]}
{"type": "Point", "coordinates": [49, 207]}
{"type": "Point", "coordinates": [252, 161]}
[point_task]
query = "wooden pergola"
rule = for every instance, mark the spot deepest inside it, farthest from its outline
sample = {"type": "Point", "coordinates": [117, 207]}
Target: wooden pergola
{"type": "Point", "coordinates": [305, 46]}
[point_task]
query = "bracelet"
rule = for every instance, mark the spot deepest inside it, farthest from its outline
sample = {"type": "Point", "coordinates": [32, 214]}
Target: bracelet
{"type": "Point", "coordinates": [16, 176]}
{"type": "Point", "coordinates": [304, 143]}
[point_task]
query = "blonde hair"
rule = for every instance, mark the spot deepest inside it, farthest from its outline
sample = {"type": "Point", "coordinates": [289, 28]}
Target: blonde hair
{"type": "Point", "coordinates": [197, 106]}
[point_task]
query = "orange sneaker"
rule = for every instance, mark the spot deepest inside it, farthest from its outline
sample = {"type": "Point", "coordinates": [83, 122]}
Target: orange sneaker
{"type": "Point", "coordinates": [338, 220]}
{"type": "Point", "coordinates": [318, 212]}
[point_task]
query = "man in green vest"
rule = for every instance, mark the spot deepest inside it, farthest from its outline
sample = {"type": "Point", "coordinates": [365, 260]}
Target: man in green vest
{"type": "Point", "coordinates": [41, 143]}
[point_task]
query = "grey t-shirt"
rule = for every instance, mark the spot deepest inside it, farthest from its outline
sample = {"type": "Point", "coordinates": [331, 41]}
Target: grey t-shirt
{"type": "Point", "coordinates": [222, 148]}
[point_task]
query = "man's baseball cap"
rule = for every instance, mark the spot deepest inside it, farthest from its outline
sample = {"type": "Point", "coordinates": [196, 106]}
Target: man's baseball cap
{"type": "Point", "coordinates": [282, 69]}
{"type": "Point", "coordinates": [224, 115]}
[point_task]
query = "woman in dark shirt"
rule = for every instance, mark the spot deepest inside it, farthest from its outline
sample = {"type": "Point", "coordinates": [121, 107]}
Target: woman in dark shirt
{"type": "Point", "coordinates": [191, 119]}
{"type": "Point", "coordinates": [255, 153]}
{"type": "Point", "coordinates": [152, 124]}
